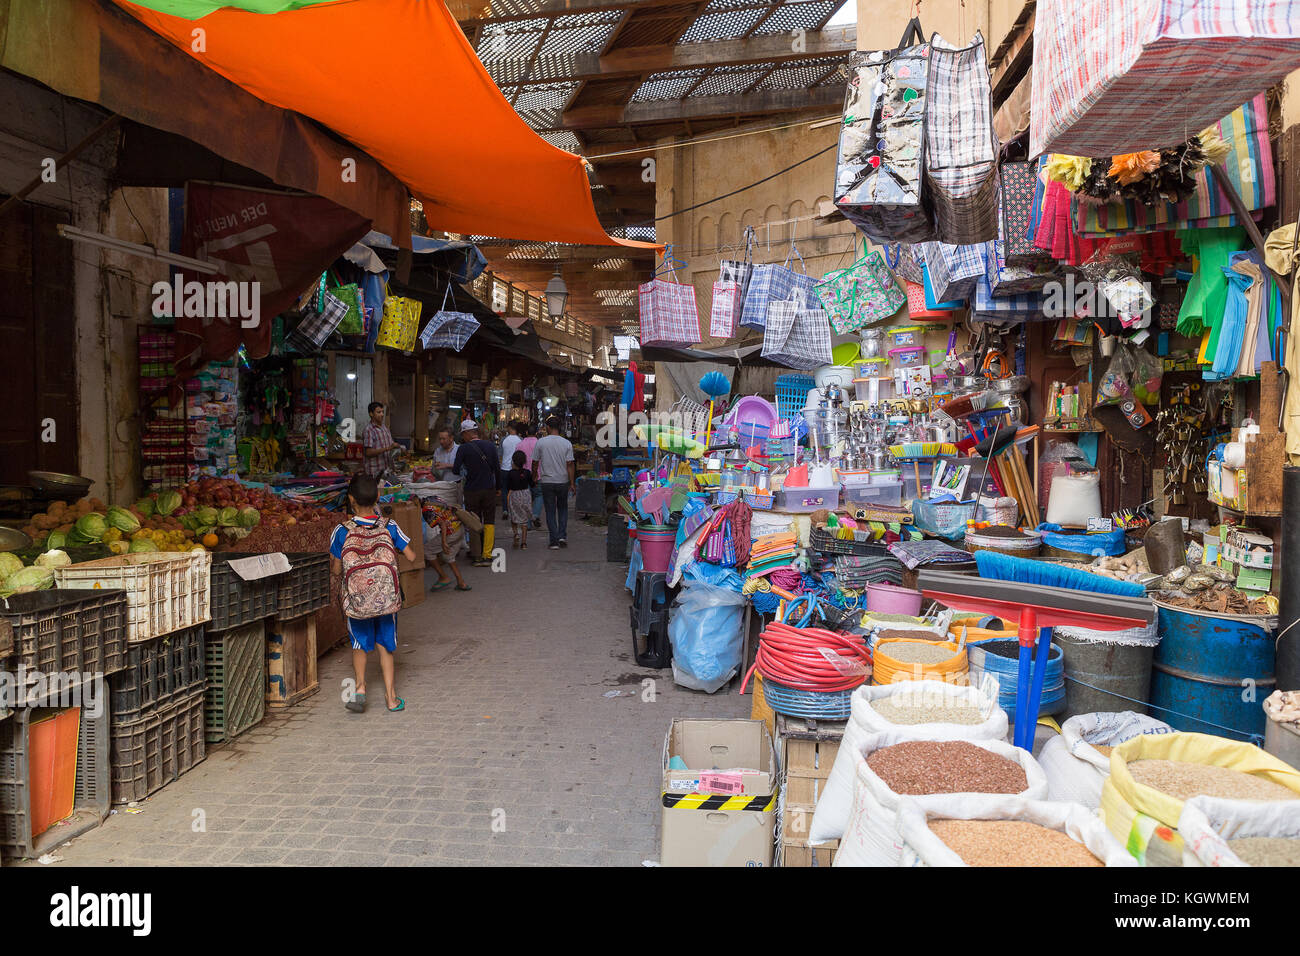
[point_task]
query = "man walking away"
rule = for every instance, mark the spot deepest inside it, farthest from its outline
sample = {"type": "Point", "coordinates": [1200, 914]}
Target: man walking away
{"type": "Point", "coordinates": [554, 467]}
{"type": "Point", "coordinates": [514, 434]}
{"type": "Point", "coordinates": [377, 444]}
{"type": "Point", "coordinates": [363, 553]}
{"type": "Point", "coordinates": [477, 459]}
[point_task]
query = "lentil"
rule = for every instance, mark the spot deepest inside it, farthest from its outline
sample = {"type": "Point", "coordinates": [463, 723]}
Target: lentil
{"type": "Point", "coordinates": [1011, 843]}
{"type": "Point", "coordinates": [1182, 781]}
{"type": "Point", "coordinates": [1267, 851]}
{"type": "Point", "coordinates": [918, 652]}
{"type": "Point", "coordinates": [912, 711]}
{"type": "Point", "coordinates": [918, 767]}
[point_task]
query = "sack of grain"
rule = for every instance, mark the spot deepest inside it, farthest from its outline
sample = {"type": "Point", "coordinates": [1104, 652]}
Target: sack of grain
{"type": "Point", "coordinates": [1210, 826]}
{"type": "Point", "coordinates": [871, 837]}
{"type": "Point", "coordinates": [1144, 817]}
{"type": "Point", "coordinates": [921, 846]}
{"type": "Point", "coordinates": [864, 720]}
{"type": "Point", "coordinates": [1075, 768]}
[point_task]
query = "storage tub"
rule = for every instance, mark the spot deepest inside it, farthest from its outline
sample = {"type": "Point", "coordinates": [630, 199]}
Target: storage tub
{"type": "Point", "coordinates": [888, 495]}
{"type": "Point", "coordinates": [807, 500]}
{"type": "Point", "coordinates": [905, 336]}
{"type": "Point", "coordinates": [908, 356]}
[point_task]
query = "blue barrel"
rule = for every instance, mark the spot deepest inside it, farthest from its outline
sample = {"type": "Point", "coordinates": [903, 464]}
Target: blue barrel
{"type": "Point", "coordinates": [1211, 673]}
{"type": "Point", "coordinates": [1005, 666]}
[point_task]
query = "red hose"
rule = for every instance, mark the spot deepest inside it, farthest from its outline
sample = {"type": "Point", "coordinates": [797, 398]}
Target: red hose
{"type": "Point", "coordinates": [790, 656]}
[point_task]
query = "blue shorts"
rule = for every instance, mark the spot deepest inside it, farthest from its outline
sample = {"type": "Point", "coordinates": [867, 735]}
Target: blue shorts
{"type": "Point", "coordinates": [366, 632]}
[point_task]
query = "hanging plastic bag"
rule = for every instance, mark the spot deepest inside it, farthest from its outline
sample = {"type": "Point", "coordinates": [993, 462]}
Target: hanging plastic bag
{"type": "Point", "coordinates": [705, 631]}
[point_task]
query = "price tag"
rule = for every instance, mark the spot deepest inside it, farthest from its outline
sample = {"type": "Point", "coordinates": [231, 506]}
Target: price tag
{"type": "Point", "coordinates": [260, 566]}
{"type": "Point", "coordinates": [1103, 525]}
{"type": "Point", "coordinates": [727, 784]}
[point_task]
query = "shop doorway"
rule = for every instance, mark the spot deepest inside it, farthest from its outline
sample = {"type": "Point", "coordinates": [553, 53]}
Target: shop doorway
{"type": "Point", "coordinates": [354, 385]}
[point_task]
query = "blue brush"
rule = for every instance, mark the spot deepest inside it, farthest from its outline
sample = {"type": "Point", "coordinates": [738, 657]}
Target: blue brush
{"type": "Point", "coordinates": [1003, 567]}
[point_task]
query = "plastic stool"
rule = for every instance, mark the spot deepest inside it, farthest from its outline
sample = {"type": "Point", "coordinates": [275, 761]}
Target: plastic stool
{"type": "Point", "coordinates": [652, 648]}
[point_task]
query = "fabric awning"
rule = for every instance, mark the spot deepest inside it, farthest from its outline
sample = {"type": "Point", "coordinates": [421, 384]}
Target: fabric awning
{"type": "Point", "coordinates": [399, 79]}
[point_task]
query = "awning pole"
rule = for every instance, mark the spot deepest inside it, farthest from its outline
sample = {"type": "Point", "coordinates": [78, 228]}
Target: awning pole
{"type": "Point", "coordinates": [62, 161]}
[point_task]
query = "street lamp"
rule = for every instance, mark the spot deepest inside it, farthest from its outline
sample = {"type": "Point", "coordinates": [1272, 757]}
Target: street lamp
{"type": "Point", "coordinates": [557, 295]}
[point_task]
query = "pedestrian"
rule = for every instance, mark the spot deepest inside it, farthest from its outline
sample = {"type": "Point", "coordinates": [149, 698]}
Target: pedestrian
{"type": "Point", "coordinates": [378, 448]}
{"type": "Point", "coordinates": [440, 543]}
{"type": "Point", "coordinates": [476, 458]}
{"type": "Point", "coordinates": [444, 457]}
{"type": "Point", "coordinates": [363, 553]}
{"type": "Point", "coordinates": [526, 446]}
{"type": "Point", "coordinates": [519, 489]}
{"type": "Point", "coordinates": [553, 467]}
{"type": "Point", "coordinates": [514, 434]}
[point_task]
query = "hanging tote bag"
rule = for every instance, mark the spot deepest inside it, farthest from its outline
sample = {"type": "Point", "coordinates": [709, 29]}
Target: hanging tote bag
{"type": "Point", "coordinates": [669, 317]}
{"type": "Point", "coordinates": [1118, 76]}
{"type": "Point", "coordinates": [400, 323]}
{"type": "Point", "coordinates": [961, 150]}
{"type": "Point", "coordinates": [724, 314]}
{"type": "Point", "coordinates": [319, 320]}
{"type": "Point", "coordinates": [354, 321]}
{"type": "Point", "coordinates": [953, 270]}
{"type": "Point", "coordinates": [879, 166]}
{"type": "Point", "coordinates": [904, 260]}
{"type": "Point", "coordinates": [772, 283]}
{"type": "Point", "coordinates": [447, 329]}
{"type": "Point", "coordinates": [797, 335]}
{"type": "Point", "coordinates": [864, 293]}
{"type": "Point", "coordinates": [1017, 183]}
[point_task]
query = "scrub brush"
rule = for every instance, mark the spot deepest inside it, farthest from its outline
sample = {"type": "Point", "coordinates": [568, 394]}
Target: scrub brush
{"type": "Point", "coordinates": [1003, 567]}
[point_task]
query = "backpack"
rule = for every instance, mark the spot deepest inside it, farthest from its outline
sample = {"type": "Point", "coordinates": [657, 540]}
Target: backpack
{"type": "Point", "coordinates": [371, 587]}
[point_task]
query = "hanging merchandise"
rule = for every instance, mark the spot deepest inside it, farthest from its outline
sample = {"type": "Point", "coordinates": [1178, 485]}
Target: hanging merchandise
{"type": "Point", "coordinates": [667, 309]}
{"type": "Point", "coordinates": [773, 283]}
{"type": "Point", "coordinates": [797, 334]}
{"type": "Point", "coordinates": [724, 314]}
{"type": "Point", "coordinates": [1018, 181]}
{"type": "Point", "coordinates": [879, 169]}
{"type": "Point", "coordinates": [353, 322]}
{"type": "Point", "coordinates": [863, 294]}
{"type": "Point", "coordinates": [446, 329]}
{"type": "Point", "coordinates": [953, 270]}
{"type": "Point", "coordinates": [319, 320]}
{"type": "Point", "coordinates": [1176, 64]}
{"type": "Point", "coordinates": [1005, 279]}
{"type": "Point", "coordinates": [961, 151]}
{"type": "Point", "coordinates": [1025, 307]}
{"type": "Point", "coordinates": [401, 322]}
{"type": "Point", "coordinates": [1119, 283]}
{"type": "Point", "coordinates": [905, 261]}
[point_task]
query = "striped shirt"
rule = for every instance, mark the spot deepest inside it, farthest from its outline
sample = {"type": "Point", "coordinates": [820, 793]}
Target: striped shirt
{"type": "Point", "coordinates": [377, 436]}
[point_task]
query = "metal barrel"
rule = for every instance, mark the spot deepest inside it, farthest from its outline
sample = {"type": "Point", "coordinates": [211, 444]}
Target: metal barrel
{"type": "Point", "coordinates": [1103, 676]}
{"type": "Point", "coordinates": [1212, 672]}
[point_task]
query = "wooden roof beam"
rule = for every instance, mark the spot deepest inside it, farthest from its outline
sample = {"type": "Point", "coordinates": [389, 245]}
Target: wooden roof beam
{"type": "Point", "coordinates": [667, 111]}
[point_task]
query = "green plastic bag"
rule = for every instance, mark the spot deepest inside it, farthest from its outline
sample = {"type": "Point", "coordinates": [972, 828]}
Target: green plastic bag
{"type": "Point", "coordinates": [354, 323]}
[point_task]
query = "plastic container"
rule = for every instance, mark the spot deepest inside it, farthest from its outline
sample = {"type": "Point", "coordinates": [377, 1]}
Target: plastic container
{"type": "Point", "coordinates": [305, 587]}
{"type": "Point", "coordinates": [149, 753]}
{"type": "Point", "coordinates": [234, 601]}
{"type": "Point", "coordinates": [884, 494]}
{"type": "Point", "coordinates": [57, 630]}
{"type": "Point", "coordinates": [906, 336]}
{"type": "Point", "coordinates": [157, 672]}
{"type": "Point", "coordinates": [862, 545]}
{"type": "Point", "coordinates": [236, 686]}
{"type": "Point", "coordinates": [164, 592]}
{"type": "Point", "coordinates": [807, 500]}
{"type": "Point", "coordinates": [870, 390]}
{"type": "Point", "coordinates": [792, 393]}
{"type": "Point", "coordinates": [872, 368]}
{"type": "Point", "coordinates": [657, 545]}
{"type": "Point", "coordinates": [935, 358]}
{"type": "Point", "coordinates": [908, 356]}
{"type": "Point", "coordinates": [888, 599]}
{"type": "Point", "coordinates": [1007, 672]}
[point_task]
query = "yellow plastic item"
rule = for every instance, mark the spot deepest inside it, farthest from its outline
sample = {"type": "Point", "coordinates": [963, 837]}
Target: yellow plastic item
{"type": "Point", "coordinates": [1048, 721]}
{"type": "Point", "coordinates": [1144, 819]}
{"type": "Point", "coordinates": [845, 353]}
{"type": "Point", "coordinates": [489, 541]}
{"type": "Point", "coordinates": [887, 670]}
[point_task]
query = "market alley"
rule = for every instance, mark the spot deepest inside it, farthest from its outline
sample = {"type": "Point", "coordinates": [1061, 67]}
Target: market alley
{"type": "Point", "coordinates": [509, 752]}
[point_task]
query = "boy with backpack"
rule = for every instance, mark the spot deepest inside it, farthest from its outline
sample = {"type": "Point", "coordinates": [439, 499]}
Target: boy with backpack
{"type": "Point", "coordinates": [364, 552]}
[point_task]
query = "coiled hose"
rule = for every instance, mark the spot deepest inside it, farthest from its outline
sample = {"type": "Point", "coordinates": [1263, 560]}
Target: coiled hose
{"type": "Point", "coordinates": [792, 656]}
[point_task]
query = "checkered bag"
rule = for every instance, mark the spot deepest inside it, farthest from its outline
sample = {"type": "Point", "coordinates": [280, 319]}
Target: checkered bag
{"type": "Point", "coordinates": [319, 320]}
{"type": "Point", "coordinates": [1005, 279]}
{"type": "Point", "coordinates": [905, 261]}
{"type": "Point", "coordinates": [986, 307]}
{"type": "Point", "coordinates": [961, 150]}
{"type": "Point", "coordinates": [724, 315]}
{"type": "Point", "coordinates": [668, 314]}
{"type": "Point", "coordinates": [953, 270]}
{"type": "Point", "coordinates": [1117, 76]}
{"type": "Point", "coordinates": [797, 335]}
{"type": "Point", "coordinates": [1018, 182]}
{"type": "Point", "coordinates": [772, 283]}
{"type": "Point", "coordinates": [446, 329]}
{"type": "Point", "coordinates": [739, 271]}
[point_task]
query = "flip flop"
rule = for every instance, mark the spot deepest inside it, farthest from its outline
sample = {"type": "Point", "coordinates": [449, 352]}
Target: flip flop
{"type": "Point", "coordinates": [357, 704]}
{"type": "Point", "coordinates": [463, 587]}
{"type": "Point", "coordinates": [440, 585]}
{"type": "Point", "coordinates": [401, 705]}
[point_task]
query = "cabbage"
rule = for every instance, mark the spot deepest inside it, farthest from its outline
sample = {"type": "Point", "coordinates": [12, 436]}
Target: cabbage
{"type": "Point", "coordinates": [228, 517]}
{"type": "Point", "coordinates": [190, 522]}
{"type": "Point", "coordinates": [249, 517]}
{"type": "Point", "coordinates": [168, 501]}
{"type": "Point", "coordinates": [57, 540]}
{"type": "Point", "coordinates": [143, 544]}
{"type": "Point", "coordinates": [145, 506]}
{"type": "Point", "coordinates": [91, 527]}
{"type": "Point", "coordinates": [122, 520]}
{"type": "Point", "coordinates": [53, 559]}
{"type": "Point", "coordinates": [206, 515]}
{"type": "Point", "coordinates": [9, 563]}
{"type": "Point", "coordinates": [31, 579]}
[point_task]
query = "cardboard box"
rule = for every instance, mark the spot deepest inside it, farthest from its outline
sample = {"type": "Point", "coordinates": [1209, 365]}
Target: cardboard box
{"type": "Point", "coordinates": [412, 587]}
{"type": "Point", "coordinates": [410, 520]}
{"type": "Point", "coordinates": [1249, 550]}
{"type": "Point", "coordinates": [721, 810]}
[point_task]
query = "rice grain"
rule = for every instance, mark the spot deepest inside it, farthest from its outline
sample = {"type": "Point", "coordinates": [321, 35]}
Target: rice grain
{"type": "Point", "coordinates": [1182, 781]}
{"type": "Point", "coordinates": [909, 711]}
{"type": "Point", "coordinates": [1267, 851]}
{"type": "Point", "coordinates": [918, 652]}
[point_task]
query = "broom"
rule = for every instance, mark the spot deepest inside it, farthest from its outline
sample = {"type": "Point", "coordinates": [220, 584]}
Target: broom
{"type": "Point", "coordinates": [713, 384]}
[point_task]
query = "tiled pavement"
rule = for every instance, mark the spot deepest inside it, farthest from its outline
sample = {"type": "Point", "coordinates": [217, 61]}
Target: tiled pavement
{"type": "Point", "coordinates": [507, 754]}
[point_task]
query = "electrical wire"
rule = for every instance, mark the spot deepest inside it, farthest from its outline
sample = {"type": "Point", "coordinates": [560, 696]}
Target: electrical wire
{"type": "Point", "coordinates": [715, 139]}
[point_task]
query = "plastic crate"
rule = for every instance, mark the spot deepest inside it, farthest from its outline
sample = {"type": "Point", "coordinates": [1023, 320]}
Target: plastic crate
{"type": "Point", "coordinates": [235, 602]}
{"type": "Point", "coordinates": [165, 592]}
{"type": "Point", "coordinates": [157, 672]}
{"type": "Point", "coordinates": [305, 587]}
{"type": "Point", "coordinates": [822, 540]}
{"type": "Point", "coordinates": [889, 495]}
{"type": "Point", "coordinates": [90, 793]}
{"type": "Point", "coordinates": [807, 500]}
{"type": "Point", "coordinates": [59, 631]}
{"type": "Point", "coordinates": [792, 394]}
{"type": "Point", "coordinates": [149, 753]}
{"type": "Point", "coordinates": [236, 691]}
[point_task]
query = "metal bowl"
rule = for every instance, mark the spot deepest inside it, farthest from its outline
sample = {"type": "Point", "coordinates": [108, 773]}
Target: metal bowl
{"type": "Point", "coordinates": [1012, 384]}
{"type": "Point", "coordinates": [972, 382]}
{"type": "Point", "coordinates": [11, 539]}
{"type": "Point", "coordinates": [54, 484]}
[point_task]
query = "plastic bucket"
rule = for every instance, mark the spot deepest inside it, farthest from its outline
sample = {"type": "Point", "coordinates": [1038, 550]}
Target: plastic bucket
{"type": "Point", "coordinates": [888, 599]}
{"type": "Point", "coordinates": [657, 544]}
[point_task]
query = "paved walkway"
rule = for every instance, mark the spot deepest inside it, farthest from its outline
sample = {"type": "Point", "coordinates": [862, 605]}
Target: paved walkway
{"type": "Point", "coordinates": [508, 752]}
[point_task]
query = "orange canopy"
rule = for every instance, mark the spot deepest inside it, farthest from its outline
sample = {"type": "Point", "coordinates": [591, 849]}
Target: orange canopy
{"type": "Point", "coordinates": [399, 80]}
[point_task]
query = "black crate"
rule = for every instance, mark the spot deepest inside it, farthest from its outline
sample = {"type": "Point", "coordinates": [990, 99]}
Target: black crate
{"type": "Point", "coordinates": [152, 751]}
{"type": "Point", "coordinates": [616, 538]}
{"type": "Point", "coordinates": [305, 587]}
{"type": "Point", "coordinates": [67, 630]}
{"type": "Point", "coordinates": [236, 602]}
{"type": "Point", "coordinates": [157, 672]}
{"type": "Point", "coordinates": [822, 540]}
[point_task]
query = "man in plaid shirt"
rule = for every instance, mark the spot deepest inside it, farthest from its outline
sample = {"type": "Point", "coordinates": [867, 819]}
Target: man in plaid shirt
{"type": "Point", "coordinates": [378, 443]}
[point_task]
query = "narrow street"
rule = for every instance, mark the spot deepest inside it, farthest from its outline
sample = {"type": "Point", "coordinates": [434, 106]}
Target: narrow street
{"type": "Point", "coordinates": [507, 753]}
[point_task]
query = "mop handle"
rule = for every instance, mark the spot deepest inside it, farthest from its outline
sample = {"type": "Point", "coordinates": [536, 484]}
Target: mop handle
{"type": "Point", "coordinates": [1027, 634]}
{"type": "Point", "coordinates": [1040, 672]}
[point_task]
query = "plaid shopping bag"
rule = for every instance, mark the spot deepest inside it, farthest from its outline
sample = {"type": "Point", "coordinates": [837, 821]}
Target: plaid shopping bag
{"type": "Point", "coordinates": [447, 329]}
{"type": "Point", "coordinates": [668, 313]}
{"type": "Point", "coordinates": [904, 260]}
{"type": "Point", "coordinates": [400, 323]}
{"type": "Point", "coordinates": [1116, 76]}
{"type": "Point", "coordinates": [739, 270]}
{"type": "Point", "coordinates": [1026, 307]}
{"type": "Point", "coordinates": [772, 283]}
{"type": "Point", "coordinates": [1005, 280]}
{"type": "Point", "coordinates": [864, 293]}
{"type": "Point", "coordinates": [724, 315]}
{"type": "Point", "coordinates": [932, 301]}
{"type": "Point", "coordinates": [879, 178]}
{"type": "Point", "coordinates": [953, 270]}
{"type": "Point", "coordinates": [319, 320]}
{"type": "Point", "coordinates": [797, 335]}
{"type": "Point", "coordinates": [961, 151]}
